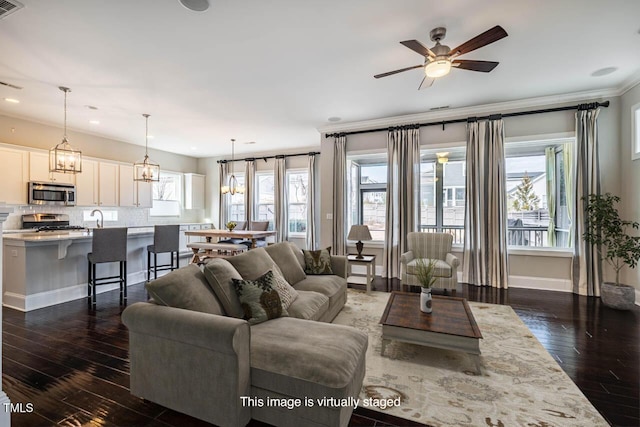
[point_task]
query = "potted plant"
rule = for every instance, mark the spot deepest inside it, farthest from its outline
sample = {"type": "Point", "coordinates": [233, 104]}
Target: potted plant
{"type": "Point", "coordinates": [425, 271]}
{"type": "Point", "coordinates": [231, 225]}
{"type": "Point", "coordinates": [608, 233]}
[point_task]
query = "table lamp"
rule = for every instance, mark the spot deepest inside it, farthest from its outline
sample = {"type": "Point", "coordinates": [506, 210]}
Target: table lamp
{"type": "Point", "coordinates": [359, 233]}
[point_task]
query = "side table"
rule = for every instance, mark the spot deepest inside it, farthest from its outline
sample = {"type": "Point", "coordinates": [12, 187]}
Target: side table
{"type": "Point", "coordinates": [369, 261]}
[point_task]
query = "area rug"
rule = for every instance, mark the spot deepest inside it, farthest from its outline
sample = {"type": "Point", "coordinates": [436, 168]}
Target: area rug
{"type": "Point", "coordinates": [520, 383]}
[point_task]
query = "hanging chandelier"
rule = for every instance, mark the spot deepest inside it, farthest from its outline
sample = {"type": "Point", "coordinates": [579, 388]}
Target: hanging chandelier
{"type": "Point", "coordinates": [232, 186]}
{"type": "Point", "coordinates": [146, 170]}
{"type": "Point", "coordinates": [64, 158]}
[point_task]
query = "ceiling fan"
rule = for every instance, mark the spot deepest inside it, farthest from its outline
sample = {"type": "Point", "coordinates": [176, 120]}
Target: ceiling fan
{"type": "Point", "coordinates": [439, 59]}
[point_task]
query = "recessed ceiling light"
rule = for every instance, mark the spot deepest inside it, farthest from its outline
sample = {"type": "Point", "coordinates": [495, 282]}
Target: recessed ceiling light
{"type": "Point", "coordinates": [250, 142]}
{"type": "Point", "coordinates": [334, 119]}
{"type": "Point", "coordinates": [196, 5]}
{"type": "Point", "coordinates": [194, 148]}
{"type": "Point", "coordinates": [604, 71]}
{"type": "Point", "coordinates": [150, 136]}
{"type": "Point", "coordinates": [94, 122]}
{"type": "Point", "coordinates": [12, 100]}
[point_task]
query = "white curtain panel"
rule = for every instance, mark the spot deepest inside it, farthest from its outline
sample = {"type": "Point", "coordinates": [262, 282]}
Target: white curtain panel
{"type": "Point", "coordinates": [587, 267]}
{"type": "Point", "coordinates": [485, 239]}
{"type": "Point", "coordinates": [339, 243]}
{"type": "Point", "coordinates": [249, 190]}
{"type": "Point", "coordinates": [312, 204]}
{"type": "Point", "coordinates": [280, 199]}
{"type": "Point", "coordinates": [403, 190]}
{"type": "Point", "coordinates": [223, 175]}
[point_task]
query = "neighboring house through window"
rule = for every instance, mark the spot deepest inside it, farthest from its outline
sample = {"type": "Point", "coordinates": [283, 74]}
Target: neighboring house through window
{"type": "Point", "coordinates": [265, 207]}
{"type": "Point", "coordinates": [297, 190]}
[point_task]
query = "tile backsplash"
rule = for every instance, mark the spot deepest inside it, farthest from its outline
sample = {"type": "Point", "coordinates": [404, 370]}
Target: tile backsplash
{"type": "Point", "coordinates": [127, 217]}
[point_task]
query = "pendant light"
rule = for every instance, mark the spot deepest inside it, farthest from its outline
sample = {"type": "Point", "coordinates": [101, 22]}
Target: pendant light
{"type": "Point", "coordinates": [232, 187]}
{"type": "Point", "coordinates": [64, 158]}
{"type": "Point", "coordinates": [146, 170]}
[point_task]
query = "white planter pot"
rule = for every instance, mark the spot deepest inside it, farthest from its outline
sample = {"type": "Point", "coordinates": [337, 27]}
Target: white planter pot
{"type": "Point", "coordinates": [620, 297]}
{"type": "Point", "coordinates": [426, 300]}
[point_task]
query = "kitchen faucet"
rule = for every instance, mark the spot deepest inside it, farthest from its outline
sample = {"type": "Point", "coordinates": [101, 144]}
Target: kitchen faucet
{"type": "Point", "coordinates": [100, 221]}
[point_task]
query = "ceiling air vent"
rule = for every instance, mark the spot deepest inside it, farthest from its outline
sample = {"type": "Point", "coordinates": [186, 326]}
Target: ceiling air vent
{"type": "Point", "coordinates": [8, 7]}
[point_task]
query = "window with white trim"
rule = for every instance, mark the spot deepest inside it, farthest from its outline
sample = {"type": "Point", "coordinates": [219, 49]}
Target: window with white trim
{"type": "Point", "coordinates": [297, 188]}
{"type": "Point", "coordinates": [264, 208]}
{"type": "Point", "coordinates": [235, 205]}
{"type": "Point", "coordinates": [167, 195]}
{"type": "Point", "coordinates": [367, 193]}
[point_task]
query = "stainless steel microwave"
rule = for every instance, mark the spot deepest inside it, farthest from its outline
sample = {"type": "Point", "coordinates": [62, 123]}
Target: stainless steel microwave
{"type": "Point", "coordinates": [47, 193]}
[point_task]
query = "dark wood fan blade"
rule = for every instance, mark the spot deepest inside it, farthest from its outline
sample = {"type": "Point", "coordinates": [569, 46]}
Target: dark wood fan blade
{"type": "Point", "coordinates": [493, 35]}
{"type": "Point", "coordinates": [483, 66]}
{"type": "Point", "coordinates": [418, 47]}
{"type": "Point", "coordinates": [427, 82]}
{"type": "Point", "coordinates": [390, 73]}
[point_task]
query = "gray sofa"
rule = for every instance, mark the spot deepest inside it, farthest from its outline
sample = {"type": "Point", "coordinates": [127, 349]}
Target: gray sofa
{"type": "Point", "coordinates": [191, 350]}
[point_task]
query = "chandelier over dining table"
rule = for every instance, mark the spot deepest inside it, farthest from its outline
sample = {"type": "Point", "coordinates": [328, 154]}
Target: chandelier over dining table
{"type": "Point", "coordinates": [232, 186]}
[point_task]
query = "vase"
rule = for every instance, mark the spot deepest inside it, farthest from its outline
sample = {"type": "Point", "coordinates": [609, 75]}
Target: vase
{"type": "Point", "coordinates": [426, 300]}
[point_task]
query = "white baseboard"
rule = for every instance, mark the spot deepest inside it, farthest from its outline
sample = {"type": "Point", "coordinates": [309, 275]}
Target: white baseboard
{"type": "Point", "coordinates": [541, 283]}
{"type": "Point", "coordinates": [58, 296]}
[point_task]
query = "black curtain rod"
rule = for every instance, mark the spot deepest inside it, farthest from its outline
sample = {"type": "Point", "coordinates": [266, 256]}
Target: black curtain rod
{"type": "Point", "coordinates": [279, 156]}
{"type": "Point", "coordinates": [588, 106]}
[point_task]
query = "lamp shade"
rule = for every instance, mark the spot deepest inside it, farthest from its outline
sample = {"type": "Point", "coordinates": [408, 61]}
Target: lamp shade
{"type": "Point", "coordinates": [359, 232]}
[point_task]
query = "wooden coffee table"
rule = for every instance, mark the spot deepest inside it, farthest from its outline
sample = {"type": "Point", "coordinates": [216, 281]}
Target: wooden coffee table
{"type": "Point", "coordinates": [450, 326]}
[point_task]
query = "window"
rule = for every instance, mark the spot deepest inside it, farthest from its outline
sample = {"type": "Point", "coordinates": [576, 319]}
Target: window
{"type": "Point", "coordinates": [442, 192]}
{"type": "Point", "coordinates": [265, 207]}
{"type": "Point", "coordinates": [297, 186]}
{"type": "Point", "coordinates": [368, 193]}
{"type": "Point", "coordinates": [528, 194]}
{"type": "Point", "coordinates": [167, 195]}
{"type": "Point", "coordinates": [236, 203]}
{"type": "Point", "coordinates": [635, 131]}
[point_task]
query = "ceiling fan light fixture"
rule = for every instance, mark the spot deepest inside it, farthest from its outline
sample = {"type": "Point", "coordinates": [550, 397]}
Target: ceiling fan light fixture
{"type": "Point", "coordinates": [438, 67]}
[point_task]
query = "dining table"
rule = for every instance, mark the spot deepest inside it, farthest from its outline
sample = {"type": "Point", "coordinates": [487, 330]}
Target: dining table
{"type": "Point", "coordinates": [210, 234]}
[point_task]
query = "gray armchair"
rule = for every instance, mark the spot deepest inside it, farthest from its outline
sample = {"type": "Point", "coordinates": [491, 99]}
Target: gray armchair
{"type": "Point", "coordinates": [428, 246]}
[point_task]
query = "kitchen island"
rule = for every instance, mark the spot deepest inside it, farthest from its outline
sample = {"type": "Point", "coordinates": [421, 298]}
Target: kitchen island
{"type": "Point", "coordinates": [43, 269]}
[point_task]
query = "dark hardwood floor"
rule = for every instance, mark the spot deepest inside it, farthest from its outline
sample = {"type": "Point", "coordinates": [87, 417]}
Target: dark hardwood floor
{"type": "Point", "coordinates": [72, 365]}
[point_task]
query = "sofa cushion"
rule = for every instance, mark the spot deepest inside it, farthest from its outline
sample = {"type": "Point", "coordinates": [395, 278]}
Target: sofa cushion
{"type": "Point", "coordinates": [442, 269]}
{"type": "Point", "coordinates": [295, 357]}
{"type": "Point", "coordinates": [298, 253]}
{"type": "Point", "coordinates": [286, 292]}
{"type": "Point", "coordinates": [258, 299]}
{"type": "Point", "coordinates": [318, 262]}
{"type": "Point", "coordinates": [185, 288]}
{"type": "Point", "coordinates": [253, 264]}
{"type": "Point", "coordinates": [309, 305]}
{"type": "Point", "coordinates": [219, 273]}
{"type": "Point", "coordinates": [284, 257]}
{"type": "Point", "coordinates": [330, 286]}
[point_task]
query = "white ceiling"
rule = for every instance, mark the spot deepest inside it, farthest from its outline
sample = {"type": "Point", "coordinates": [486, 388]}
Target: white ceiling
{"type": "Point", "coordinates": [275, 71]}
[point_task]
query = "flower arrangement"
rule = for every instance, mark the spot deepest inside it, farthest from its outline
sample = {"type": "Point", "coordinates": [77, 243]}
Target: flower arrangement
{"type": "Point", "coordinates": [231, 225]}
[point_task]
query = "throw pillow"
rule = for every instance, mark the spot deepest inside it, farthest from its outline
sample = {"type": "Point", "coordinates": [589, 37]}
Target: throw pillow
{"type": "Point", "coordinates": [286, 292]}
{"type": "Point", "coordinates": [318, 262]}
{"type": "Point", "coordinates": [258, 299]}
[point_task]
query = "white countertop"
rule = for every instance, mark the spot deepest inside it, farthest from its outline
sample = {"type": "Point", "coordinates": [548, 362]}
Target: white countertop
{"type": "Point", "coordinates": [52, 236]}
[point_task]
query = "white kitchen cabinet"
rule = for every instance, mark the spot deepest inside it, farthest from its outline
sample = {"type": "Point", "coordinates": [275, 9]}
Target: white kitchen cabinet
{"type": "Point", "coordinates": [193, 191]}
{"type": "Point", "coordinates": [39, 170]}
{"type": "Point", "coordinates": [133, 193]}
{"type": "Point", "coordinates": [14, 176]}
{"type": "Point", "coordinates": [97, 185]}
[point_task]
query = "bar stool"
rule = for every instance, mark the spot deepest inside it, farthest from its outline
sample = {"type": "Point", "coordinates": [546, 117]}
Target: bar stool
{"type": "Point", "coordinates": [108, 245]}
{"type": "Point", "coordinates": [166, 239]}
